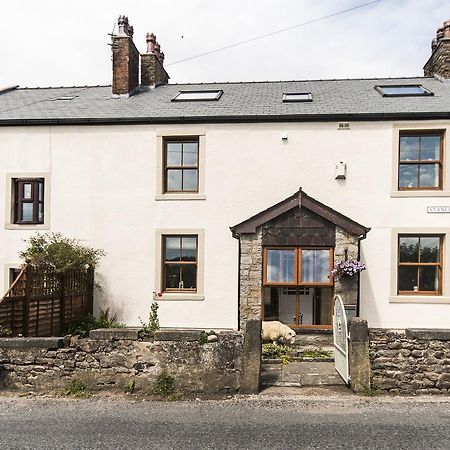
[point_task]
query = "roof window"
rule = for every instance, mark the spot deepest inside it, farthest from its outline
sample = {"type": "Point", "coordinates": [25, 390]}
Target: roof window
{"type": "Point", "coordinates": [404, 90]}
{"type": "Point", "coordinates": [297, 97]}
{"type": "Point", "coordinates": [189, 96]}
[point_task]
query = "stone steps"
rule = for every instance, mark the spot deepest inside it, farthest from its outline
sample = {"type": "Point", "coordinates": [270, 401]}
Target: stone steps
{"type": "Point", "coordinates": [300, 374]}
{"type": "Point", "coordinates": [303, 371]}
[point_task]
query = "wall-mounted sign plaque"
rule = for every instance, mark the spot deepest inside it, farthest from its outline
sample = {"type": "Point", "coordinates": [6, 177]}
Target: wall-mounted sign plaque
{"type": "Point", "coordinates": [438, 209]}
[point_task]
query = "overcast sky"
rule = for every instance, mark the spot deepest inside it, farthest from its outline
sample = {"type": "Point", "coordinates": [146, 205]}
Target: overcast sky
{"type": "Point", "coordinates": [56, 42]}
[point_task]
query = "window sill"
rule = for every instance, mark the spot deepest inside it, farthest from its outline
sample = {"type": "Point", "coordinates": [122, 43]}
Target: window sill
{"type": "Point", "coordinates": [420, 194]}
{"type": "Point", "coordinates": [181, 296]}
{"type": "Point", "coordinates": [421, 299]}
{"type": "Point", "coordinates": [161, 197]}
{"type": "Point", "coordinates": [15, 226]}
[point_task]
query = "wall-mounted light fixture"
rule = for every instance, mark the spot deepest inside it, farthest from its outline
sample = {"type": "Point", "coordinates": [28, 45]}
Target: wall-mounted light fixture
{"type": "Point", "coordinates": [340, 170]}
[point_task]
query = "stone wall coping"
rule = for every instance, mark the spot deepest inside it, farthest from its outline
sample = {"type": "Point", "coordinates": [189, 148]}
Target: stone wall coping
{"type": "Point", "coordinates": [177, 335]}
{"type": "Point", "coordinates": [428, 334]}
{"type": "Point", "coordinates": [32, 342]}
{"type": "Point", "coordinates": [115, 334]}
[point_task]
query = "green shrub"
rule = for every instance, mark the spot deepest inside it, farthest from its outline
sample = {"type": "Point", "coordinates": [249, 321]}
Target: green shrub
{"type": "Point", "coordinates": [149, 328]}
{"type": "Point", "coordinates": [5, 332]}
{"type": "Point", "coordinates": [52, 251]}
{"type": "Point", "coordinates": [164, 386]}
{"type": "Point", "coordinates": [276, 351]}
{"type": "Point", "coordinates": [84, 325]}
{"type": "Point", "coordinates": [105, 321]}
{"type": "Point", "coordinates": [77, 388]}
{"type": "Point", "coordinates": [203, 337]}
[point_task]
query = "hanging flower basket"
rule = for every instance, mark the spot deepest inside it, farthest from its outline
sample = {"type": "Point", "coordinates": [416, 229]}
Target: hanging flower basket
{"type": "Point", "coordinates": [347, 268]}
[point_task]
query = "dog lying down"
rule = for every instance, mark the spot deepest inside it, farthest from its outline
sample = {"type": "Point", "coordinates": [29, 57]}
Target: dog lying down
{"type": "Point", "coordinates": [276, 332]}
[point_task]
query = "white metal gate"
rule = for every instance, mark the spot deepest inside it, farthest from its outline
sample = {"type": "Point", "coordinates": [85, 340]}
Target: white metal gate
{"type": "Point", "coordinates": [340, 338]}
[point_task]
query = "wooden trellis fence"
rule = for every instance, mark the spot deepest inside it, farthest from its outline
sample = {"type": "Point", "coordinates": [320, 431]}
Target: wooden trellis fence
{"type": "Point", "coordinates": [43, 303]}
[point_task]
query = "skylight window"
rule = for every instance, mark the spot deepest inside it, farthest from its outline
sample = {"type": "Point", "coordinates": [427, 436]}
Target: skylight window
{"type": "Point", "coordinates": [189, 96]}
{"type": "Point", "coordinates": [405, 90]}
{"type": "Point", "coordinates": [297, 97]}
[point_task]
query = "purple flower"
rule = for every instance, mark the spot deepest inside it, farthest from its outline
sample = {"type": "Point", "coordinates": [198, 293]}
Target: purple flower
{"type": "Point", "coordinates": [347, 268]}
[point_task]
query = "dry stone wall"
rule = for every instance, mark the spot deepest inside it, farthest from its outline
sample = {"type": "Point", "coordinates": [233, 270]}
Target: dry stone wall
{"type": "Point", "coordinates": [112, 358]}
{"type": "Point", "coordinates": [410, 361]}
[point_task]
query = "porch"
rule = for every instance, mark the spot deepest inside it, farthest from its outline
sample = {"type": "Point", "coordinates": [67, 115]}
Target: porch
{"type": "Point", "coordinates": [287, 253]}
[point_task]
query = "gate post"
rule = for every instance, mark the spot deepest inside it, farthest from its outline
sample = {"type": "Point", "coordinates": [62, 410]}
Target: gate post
{"type": "Point", "coordinates": [359, 362]}
{"type": "Point", "coordinates": [251, 358]}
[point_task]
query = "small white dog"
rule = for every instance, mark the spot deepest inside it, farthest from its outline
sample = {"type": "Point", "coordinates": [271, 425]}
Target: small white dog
{"type": "Point", "coordinates": [276, 332]}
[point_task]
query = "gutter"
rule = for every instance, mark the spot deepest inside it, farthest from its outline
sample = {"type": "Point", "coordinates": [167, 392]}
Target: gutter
{"type": "Point", "coordinates": [354, 117]}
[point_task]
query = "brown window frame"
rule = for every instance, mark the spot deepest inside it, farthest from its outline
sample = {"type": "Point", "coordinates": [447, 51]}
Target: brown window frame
{"type": "Point", "coordinates": [166, 168]}
{"type": "Point", "coordinates": [165, 263]}
{"type": "Point", "coordinates": [418, 264]}
{"type": "Point", "coordinates": [440, 161]}
{"type": "Point", "coordinates": [20, 199]}
{"type": "Point", "coordinates": [298, 267]}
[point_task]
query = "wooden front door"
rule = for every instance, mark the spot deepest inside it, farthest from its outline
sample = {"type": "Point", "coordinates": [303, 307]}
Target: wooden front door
{"type": "Point", "coordinates": [299, 307]}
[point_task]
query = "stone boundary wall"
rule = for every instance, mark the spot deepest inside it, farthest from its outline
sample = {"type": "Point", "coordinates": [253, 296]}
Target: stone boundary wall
{"type": "Point", "coordinates": [111, 358]}
{"type": "Point", "coordinates": [411, 361]}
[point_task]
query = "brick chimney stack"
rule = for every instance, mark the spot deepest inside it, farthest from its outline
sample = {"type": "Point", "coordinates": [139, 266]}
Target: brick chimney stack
{"type": "Point", "coordinates": [152, 64]}
{"type": "Point", "coordinates": [125, 60]}
{"type": "Point", "coordinates": [439, 63]}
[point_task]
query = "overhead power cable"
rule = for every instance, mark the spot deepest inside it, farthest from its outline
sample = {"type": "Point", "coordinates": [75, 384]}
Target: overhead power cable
{"type": "Point", "coordinates": [263, 36]}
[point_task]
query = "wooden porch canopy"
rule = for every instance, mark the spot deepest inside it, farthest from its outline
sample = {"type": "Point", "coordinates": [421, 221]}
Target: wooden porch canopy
{"type": "Point", "coordinates": [299, 200]}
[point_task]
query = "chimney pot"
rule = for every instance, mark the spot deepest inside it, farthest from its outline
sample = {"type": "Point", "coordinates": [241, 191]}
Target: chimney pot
{"type": "Point", "coordinates": [151, 40]}
{"type": "Point", "coordinates": [157, 50]}
{"type": "Point", "coordinates": [434, 44]}
{"type": "Point", "coordinates": [123, 25]}
{"type": "Point", "coordinates": [440, 33]}
{"type": "Point", "coordinates": [446, 29]}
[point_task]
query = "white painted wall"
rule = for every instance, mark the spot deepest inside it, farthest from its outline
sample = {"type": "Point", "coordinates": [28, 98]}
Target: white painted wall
{"type": "Point", "coordinates": [103, 192]}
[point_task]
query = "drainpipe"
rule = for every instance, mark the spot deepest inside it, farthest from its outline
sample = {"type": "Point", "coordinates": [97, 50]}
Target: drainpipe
{"type": "Point", "coordinates": [239, 285]}
{"type": "Point", "coordinates": [358, 298]}
{"type": "Point", "coordinates": [359, 280]}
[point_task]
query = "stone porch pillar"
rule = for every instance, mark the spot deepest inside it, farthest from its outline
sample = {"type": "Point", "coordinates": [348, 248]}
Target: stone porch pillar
{"type": "Point", "coordinates": [250, 287]}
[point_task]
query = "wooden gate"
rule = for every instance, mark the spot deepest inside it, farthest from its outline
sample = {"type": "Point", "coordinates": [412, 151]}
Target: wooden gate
{"type": "Point", "coordinates": [340, 339]}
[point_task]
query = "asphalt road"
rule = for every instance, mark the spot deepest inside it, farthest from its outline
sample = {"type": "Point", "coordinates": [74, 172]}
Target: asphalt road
{"type": "Point", "coordinates": [244, 423]}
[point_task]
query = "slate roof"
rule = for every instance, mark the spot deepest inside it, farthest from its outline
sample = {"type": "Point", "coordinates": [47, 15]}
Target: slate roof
{"type": "Point", "coordinates": [245, 101]}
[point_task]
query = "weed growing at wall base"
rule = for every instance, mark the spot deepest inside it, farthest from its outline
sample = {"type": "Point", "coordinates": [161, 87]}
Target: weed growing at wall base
{"type": "Point", "coordinates": [165, 387]}
{"type": "Point", "coordinates": [77, 388]}
{"type": "Point", "coordinates": [130, 386]}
